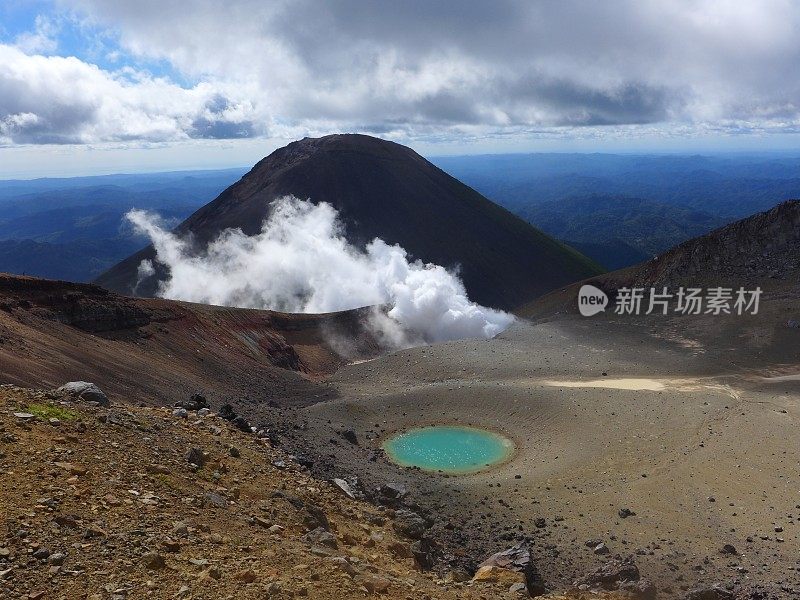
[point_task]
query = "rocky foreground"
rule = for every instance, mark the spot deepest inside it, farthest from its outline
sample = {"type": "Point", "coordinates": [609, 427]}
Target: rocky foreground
{"type": "Point", "coordinates": [123, 502]}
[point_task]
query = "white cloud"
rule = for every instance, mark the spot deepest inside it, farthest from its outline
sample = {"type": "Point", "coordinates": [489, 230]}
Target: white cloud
{"type": "Point", "coordinates": [54, 99]}
{"type": "Point", "coordinates": [419, 70]}
{"type": "Point", "coordinates": [499, 64]}
{"type": "Point", "coordinates": [43, 39]}
{"type": "Point", "coordinates": [301, 262]}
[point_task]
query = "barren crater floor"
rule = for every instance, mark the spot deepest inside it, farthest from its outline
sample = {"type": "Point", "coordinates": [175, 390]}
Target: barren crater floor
{"type": "Point", "coordinates": [605, 416]}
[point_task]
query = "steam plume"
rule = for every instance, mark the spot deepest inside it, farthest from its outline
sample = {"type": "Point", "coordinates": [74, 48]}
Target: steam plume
{"type": "Point", "coordinates": [301, 262]}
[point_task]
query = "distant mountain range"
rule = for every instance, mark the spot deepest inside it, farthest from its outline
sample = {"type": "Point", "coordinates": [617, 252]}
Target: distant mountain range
{"type": "Point", "coordinates": [74, 228]}
{"type": "Point", "coordinates": [619, 231]}
{"type": "Point", "coordinates": [385, 190]}
{"type": "Point", "coordinates": [622, 209]}
{"type": "Point", "coordinates": [618, 210]}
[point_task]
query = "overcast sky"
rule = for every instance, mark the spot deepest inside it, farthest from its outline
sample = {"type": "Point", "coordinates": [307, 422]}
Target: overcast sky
{"type": "Point", "coordinates": [114, 85]}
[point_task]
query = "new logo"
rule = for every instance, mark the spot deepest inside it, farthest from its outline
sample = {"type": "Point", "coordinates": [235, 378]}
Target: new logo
{"type": "Point", "coordinates": [591, 300]}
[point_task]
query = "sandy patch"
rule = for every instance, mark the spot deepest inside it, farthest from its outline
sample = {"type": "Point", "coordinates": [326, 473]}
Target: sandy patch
{"type": "Point", "coordinates": [613, 384]}
{"type": "Point", "coordinates": [781, 378]}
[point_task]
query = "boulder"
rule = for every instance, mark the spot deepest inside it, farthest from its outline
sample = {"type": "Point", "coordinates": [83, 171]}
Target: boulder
{"type": "Point", "coordinates": [516, 560]}
{"type": "Point", "coordinates": [83, 390]}
{"type": "Point", "coordinates": [424, 552]}
{"type": "Point", "coordinates": [195, 456]}
{"type": "Point", "coordinates": [616, 574]}
{"type": "Point", "coordinates": [344, 486]}
{"type": "Point", "coordinates": [391, 494]}
{"type": "Point", "coordinates": [409, 524]}
{"type": "Point", "coordinates": [320, 537]}
{"type": "Point", "coordinates": [349, 435]}
{"type": "Point", "coordinates": [400, 550]}
{"type": "Point", "coordinates": [644, 589]}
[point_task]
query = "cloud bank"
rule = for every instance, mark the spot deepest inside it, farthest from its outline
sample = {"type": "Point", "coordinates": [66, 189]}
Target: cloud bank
{"type": "Point", "coordinates": [301, 262]}
{"type": "Point", "coordinates": [63, 100]}
{"type": "Point", "coordinates": [409, 70]}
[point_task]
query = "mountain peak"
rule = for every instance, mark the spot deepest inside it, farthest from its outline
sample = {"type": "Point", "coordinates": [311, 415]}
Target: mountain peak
{"type": "Point", "coordinates": [384, 190]}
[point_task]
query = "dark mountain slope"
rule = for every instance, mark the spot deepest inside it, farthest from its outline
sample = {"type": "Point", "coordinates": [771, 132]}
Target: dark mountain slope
{"type": "Point", "coordinates": [386, 190]}
{"type": "Point", "coordinates": [762, 250]}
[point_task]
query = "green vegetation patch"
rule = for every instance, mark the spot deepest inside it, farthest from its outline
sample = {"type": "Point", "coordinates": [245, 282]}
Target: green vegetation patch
{"type": "Point", "coordinates": [51, 411]}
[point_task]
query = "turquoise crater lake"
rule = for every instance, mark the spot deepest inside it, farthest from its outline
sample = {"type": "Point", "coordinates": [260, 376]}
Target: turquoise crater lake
{"type": "Point", "coordinates": [448, 448]}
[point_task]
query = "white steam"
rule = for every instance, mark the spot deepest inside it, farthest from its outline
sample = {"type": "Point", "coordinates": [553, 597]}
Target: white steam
{"type": "Point", "coordinates": [301, 262]}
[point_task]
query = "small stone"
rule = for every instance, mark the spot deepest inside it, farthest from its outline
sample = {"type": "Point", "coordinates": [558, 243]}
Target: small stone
{"type": "Point", "coordinates": [519, 589]}
{"type": "Point", "coordinates": [181, 413]}
{"type": "Point", "coordinates": [601, 549]}
{"type": "Point", "coordinates": [153, 561]}
{"type": "Point", "coordinates": [262, 522]}
{"type": "Point", "coordinates": [624, 513]}
{"type": "Point", "coordinates": [320, 537]}
{"type": "Point", "coordinates": [195, 456]}
{"type": "Point", "coordinates": [344, 486]}
{"type": "Point", "coordinates": [728, 549]}
{"type": "Point", "coordinates": [457, 576]}
{"type": "Point", "coordinates": [376, 585]}
{"type": "Point", "coordinates": [400, 550]}
{"type": "Point", "coordinates": [215, 500]}
{"type": "Point", "coordinates": [57, 558]}
{"type": "Point", "coordinates": [112, 500]}
{"type": "Point", "coordinates": [342, 564]}
{"type": "Point", "coordinates": [211, 572]}
{"type": "Point", "coordinates": [41, 554]}
{"type": "Point", "coordinates": [72, 468]}
{"type": "Point", "coordinates": [409, 524]}
{"type": "Point", "coordinates": [349, 435]}
{"type": "Point", "coordinates": [246, 576]}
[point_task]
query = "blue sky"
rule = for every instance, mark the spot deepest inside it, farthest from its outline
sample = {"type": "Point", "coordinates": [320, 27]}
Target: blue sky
{"type": "Point", "coordinates": [72, 35]}
{"type": "Point", "coordinates": [98, 86]}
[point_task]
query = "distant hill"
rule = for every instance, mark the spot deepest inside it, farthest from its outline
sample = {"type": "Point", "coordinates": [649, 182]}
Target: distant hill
{"type": "Point", "coordinates": [619, 231]}
{"type": "Point", "coordinates": [382, 189]}
{"type": "Point", "coordinates": [621, 209]}
{"type": "Point", "coordinates": [78, 260]}
{"type": "Point", "coordinates": [730, 186]}
{"type": "Point", "coordinates": [612, 254]}
{"type": "Point", "coordinates": [75, 228]}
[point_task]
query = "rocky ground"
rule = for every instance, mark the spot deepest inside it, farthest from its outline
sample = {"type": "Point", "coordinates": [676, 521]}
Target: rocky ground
{"type": "Point", "coordinates": [697, 478]}
{"type": "Point", "coordinates": [135, 502]}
